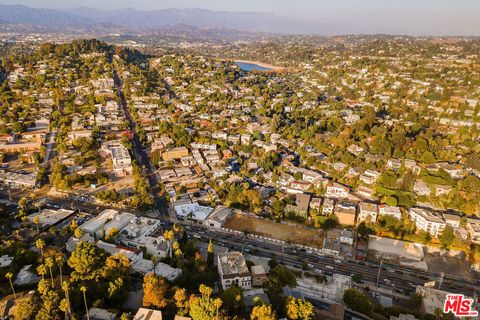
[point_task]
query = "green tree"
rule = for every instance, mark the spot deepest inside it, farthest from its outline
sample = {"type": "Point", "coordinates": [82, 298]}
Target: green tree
{"type": "Point", "coordinates": [87, 261]}
{"type": "Point", "coordinates": [358, 301]}
{"type": "Point", "coordinates": [447, 237]}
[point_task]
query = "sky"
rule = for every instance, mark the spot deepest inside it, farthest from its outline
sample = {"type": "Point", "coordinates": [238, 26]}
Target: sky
{"type": "Point", "coordinates": [416, 17]}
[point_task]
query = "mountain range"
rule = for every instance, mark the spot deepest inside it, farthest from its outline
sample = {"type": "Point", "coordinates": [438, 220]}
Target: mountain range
{"type": "Point", "coordinates": [138, 21]}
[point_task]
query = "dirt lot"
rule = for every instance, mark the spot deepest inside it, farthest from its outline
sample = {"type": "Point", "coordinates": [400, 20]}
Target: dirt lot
{"type": "Point", "coordinates": [275, 230]}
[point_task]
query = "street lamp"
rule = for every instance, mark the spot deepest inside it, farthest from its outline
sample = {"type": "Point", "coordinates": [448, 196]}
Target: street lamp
{"type": "Point", "coordinates": [379, 269]}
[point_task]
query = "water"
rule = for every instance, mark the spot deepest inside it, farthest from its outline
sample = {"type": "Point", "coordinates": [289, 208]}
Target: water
{"type": "Point", "coordinates": [251, 67]}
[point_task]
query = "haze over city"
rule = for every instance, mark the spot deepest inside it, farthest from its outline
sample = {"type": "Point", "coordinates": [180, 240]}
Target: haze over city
{"type": "Point", "coordinates": [227, 160]}
{"type": "Point", "coordinates": [426, 17]}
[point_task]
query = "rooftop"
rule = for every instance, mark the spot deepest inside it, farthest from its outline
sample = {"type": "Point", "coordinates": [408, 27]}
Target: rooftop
{"type": "Point", "coordinates": [232, 263]}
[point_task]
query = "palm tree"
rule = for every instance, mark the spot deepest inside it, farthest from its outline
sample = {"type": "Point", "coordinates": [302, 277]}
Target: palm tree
{"type": "Point", "coordinates": [9, 276]}
{"type": "Point", "coordinates": [36, 221]}
{"type": "Point", "coordinates": [169, 235]}
{"type": "Point", "coordinates": [49, 263]}
{"type": "Point", "coordinates": [84, 289]}
{"type": "Point", "coordinates": [40, 244]}
{"type": "Point", "coordinates": [217, 303]}
{"type": "Point", "coordinates": [155, 260]}
{"type": "Point", "coordinates": [67, 294]}
{"type": "Point", "coordinates": [59, 261]}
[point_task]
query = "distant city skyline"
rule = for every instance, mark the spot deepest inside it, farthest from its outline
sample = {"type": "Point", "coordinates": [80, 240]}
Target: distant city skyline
{"type": "Point", "coordinates": [413, 17]}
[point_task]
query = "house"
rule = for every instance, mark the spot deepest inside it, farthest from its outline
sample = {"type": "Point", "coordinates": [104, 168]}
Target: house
{"type": "Point", "coordinates": [426, 220]}
{"type": "Point", "coordinates": [328, 206]}
{"type": "Point", "coordinates": [394, 164]}
{"type": "Point", "coordinates": [167, 272]}
{"type": "Point", "coordinates": [367, 212]}
{"type": "Point", "coordinates": [421, 188]}
{"type": "Point", "coordinates": [442, 189]}
{"type": "Point", "coordinates": [259, 275]}
{"type": "Point", "coordinates": [345, 213]}
{"type": "Point", "coordinates": [386, 210]}
{"type": "Point", "coordinates": [452, 219]}
{"type": "Point", "coordinates": [233, 270]}
{"type": "Point", "coordinates": [148, 314]}
{"type": "Point", "coordinates": [337, 190]}
{"type": "Point", "coordinates": [473, 228]}
{"type": "Point", "coordinates": [369, 177]}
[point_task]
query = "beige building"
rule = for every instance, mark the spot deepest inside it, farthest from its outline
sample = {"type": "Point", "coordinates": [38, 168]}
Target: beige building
{"type": "Point", "coordinates": [175, 153]}
{"type": "Point", "coordinates": [345, 214]}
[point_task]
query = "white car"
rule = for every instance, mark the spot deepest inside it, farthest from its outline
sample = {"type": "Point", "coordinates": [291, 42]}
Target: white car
{"type": "Point", "coordinates": [338, 261]}
{"type": "Point", "coordinates": [329, 267]}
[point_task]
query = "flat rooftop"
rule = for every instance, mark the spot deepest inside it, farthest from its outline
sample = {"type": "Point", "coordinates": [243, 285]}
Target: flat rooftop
{"type": "Point", "coordinates": [48, 217]}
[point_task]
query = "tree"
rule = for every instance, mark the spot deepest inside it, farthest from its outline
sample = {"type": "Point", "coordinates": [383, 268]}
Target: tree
{"type": "Point", "coordinates": [262, 312]}
{"type": "Point", "coordinates": [180, 298]}
{"type": "Point", "coordinates": [203, 307]}
{"type": "Point", "coordinates": [154, 290]}
{"type": "Point", "coordinates": [232, 300]}
{"type": "Point", "coordinates": [26, 309]}
{"type": "Point", "coordinates": [112, 234]}
{"type": "Point", "coordinates": [210, 254]}
{"type": "Point", "coordinates": [86, 261]}
{"type": "Point", "coordinates": [298, 309]}
{"type": "Point", "coordinates": [447, 237]}
{"type": "Point", "coordinates": [358, 301]}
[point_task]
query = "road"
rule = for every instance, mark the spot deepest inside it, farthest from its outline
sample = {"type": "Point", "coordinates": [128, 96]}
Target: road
{"type": "Point", "coordinates": [50, 144]}
{"type": "Point", "coordinates": [401, 280]}
{"type": "Point", "coordinates": [160, 205]}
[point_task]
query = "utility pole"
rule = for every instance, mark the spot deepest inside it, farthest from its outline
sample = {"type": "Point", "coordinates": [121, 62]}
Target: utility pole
{"type": "Point", "coordinates": [441, 280]}
{"type": "Point", "coordinates": [379, 269]}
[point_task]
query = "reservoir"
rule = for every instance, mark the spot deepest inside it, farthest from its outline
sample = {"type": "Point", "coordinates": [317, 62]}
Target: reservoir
{"type": "Point", "coordinates": [251, 67]}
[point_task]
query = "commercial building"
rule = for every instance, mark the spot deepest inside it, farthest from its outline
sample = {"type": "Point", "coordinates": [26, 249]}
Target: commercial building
{"type": "Point", "coordinates": [217, 218]}
{"type": "Point", "coordinates": [94, 226]}
{"type": "Point", "coordinates": [193, 211]}
{"type": "Point", "coordinates": [233, 270]}
{"type": "Point", "coordinates": [48, 217]}
{"type": "Point", "coordinates": [122, 162]}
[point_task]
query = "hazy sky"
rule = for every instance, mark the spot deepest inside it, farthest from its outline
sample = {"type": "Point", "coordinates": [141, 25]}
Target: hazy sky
{"type": "Point", "coordinates": [354, 16]}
